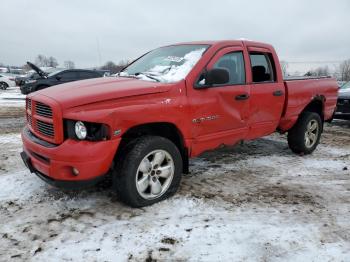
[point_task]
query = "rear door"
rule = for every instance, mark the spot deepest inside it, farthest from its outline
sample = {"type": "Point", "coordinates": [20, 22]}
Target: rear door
{"type": "Point", "coordinates": [267, 94]}
{"type": "Point", "coordinates": [220, 112]}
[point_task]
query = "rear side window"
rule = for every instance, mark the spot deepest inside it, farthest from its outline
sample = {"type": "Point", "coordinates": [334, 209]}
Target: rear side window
{"type": "Point", "coordinates": [262, 67]}
{"type": "Point", "coordinates": [234, 63]}
{"type": "Point", "coordinates": [69, 76]}
{"type": "Point", "coordinates": [86, 75]}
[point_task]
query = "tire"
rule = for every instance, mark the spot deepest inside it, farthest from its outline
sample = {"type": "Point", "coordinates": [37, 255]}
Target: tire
{"type": "Point", "coordinates": [140, 170]}
{"type": "Point", "coordinates": [305, 135]}
{"type": "Point", "coordinates": [3, 85]}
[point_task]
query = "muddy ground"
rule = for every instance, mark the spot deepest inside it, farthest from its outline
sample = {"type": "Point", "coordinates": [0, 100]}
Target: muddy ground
{"type": "Point", "coordinates": [254, 201]}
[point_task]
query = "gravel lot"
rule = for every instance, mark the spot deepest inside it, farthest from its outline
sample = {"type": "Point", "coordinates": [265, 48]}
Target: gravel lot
{"type": "Point", "coordinates": [255, 201]}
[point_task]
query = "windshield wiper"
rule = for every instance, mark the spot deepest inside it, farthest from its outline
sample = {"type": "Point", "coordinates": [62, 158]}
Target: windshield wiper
{"type": "Point", "coordinates": [147, 75]}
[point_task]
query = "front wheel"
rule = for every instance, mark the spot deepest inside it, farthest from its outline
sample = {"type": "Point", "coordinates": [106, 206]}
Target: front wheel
{"type": "Point", "coordinates": [3, 85]}
{"type": "Point", "coordinates": [148, 171]}
{"type": "Point", "coordinates": [305, 135]}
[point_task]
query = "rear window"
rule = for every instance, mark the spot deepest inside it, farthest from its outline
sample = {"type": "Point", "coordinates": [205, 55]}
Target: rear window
{"type": "Point", "coordinates": [69, 75]}
{"type": "Point", "coordinates": [85, 75]}
{"type": "Point", "coordinates": [262, 67]}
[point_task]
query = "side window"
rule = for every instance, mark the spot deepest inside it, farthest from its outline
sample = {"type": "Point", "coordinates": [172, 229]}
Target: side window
{"type": "Point", "coordinates": [262, 67]}
{"type": "Point", "coordinates": [234, 63]}
{"type": "Point", "coordinates": [69, 75]}
{"type": "Point", "coordinates": [86, 75]}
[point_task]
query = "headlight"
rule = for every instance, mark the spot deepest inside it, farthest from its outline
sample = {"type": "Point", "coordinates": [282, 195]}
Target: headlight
{"type": "Point", "coordinates": [80, 130]}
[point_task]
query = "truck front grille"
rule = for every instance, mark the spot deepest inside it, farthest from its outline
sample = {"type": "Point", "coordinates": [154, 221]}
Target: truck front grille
{"type": "Point", "coordinates": [29, 104]}
{"type": "Point", "coordinates": [41, 121]}
{"type": "Point", "coordinates": [45, 129]}
{"type": "Point", "coordinates": [43, 110]}
{"type": "Point", "coordinates": [29, 120]}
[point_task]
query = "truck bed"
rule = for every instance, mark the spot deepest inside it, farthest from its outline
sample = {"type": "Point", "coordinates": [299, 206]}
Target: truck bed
{"type": "Point", "coordinates": [300, 91]}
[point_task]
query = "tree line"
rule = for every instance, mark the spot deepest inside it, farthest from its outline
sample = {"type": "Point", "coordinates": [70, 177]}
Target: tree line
{"type": "Point", "coordinates": [342, 73]}
{"type": "Point", "coordinates": [44, 61]}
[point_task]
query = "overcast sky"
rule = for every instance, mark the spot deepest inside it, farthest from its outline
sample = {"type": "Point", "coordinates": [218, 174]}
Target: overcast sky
{"type": "Point", "coordinates": [311, 30]}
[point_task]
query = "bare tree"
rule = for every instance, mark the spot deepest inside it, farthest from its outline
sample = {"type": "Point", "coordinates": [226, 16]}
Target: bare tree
{"type": "Point", "coordinates": [52, 62]}
{"type": "Point", "coordinates": [345, 70]}
{"type": "Point", "coordinates": [69, 64]}
{"type": "Point", "coordinates": [41, 60]}
{"type": "Point", "coordinates": [113, 68]}
{"type": "Point", "coordinates": [320, 71]}
{"type": "Point", "coordinates": [26, 67]}
{"type": "Point", "coordinates": [284, 67]}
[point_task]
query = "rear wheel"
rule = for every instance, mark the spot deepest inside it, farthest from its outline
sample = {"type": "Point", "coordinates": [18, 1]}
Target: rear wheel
{"type": "Point", "coordinates": [3, 85]}
{"type": "Point", "coordinates": [148, 171]}
{"type": "Point", "coordinates": [305, 135]}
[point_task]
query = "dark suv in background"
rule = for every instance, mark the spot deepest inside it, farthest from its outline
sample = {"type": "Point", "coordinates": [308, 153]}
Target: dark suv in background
{"type": "Point", "coordinates": [55, 78]}
{"type": "Point", "coordinates": [343, 104]}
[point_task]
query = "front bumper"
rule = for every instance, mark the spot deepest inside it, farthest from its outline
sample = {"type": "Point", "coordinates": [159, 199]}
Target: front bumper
{"type": "Point", "coordinates": [343, 108]}
{"type": "Point", "coordinates": [55, 164]}
{"type": "Point", "coordinates": [339, 115]}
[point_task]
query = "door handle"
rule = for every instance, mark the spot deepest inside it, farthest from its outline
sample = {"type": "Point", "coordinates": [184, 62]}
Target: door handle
{"type": "Point", "coordinates": [278, 93]}
{"type": "Point", "coordinates": [242, 97]}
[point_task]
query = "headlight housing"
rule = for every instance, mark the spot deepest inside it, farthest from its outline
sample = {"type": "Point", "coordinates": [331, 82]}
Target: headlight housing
{"type": "Point", "coordinates": [82, 130]}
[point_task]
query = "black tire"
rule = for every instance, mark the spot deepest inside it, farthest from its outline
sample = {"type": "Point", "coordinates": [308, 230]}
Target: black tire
{"type": "Point", "coordinates": [3, 85]}
{"type": "Point", "coordinates": [127, 164]}
{"type": "Point", "coordinates": [298, 135]}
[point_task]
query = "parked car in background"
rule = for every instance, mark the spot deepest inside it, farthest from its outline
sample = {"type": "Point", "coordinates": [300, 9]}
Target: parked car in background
{"type": "Point", "coordinates": [33, 75]}
{"type": "Point", "coordinates": [56, 78]}
{"type": "Point", "coordinates": [6, 81]}
{"type": "Point", "coordinates": [343, 104]}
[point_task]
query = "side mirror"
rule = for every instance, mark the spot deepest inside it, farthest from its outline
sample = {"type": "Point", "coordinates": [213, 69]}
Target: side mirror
{"type": "Point", "coordinates": [217, 76]}
{"type": "Point", "coordinates": [58, 78]}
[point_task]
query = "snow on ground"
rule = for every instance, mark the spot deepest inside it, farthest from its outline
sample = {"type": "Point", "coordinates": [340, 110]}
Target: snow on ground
{"type": "Point", "coordinates": [255, 201]}
{"type": "Point", "coordinates": [12, 97]}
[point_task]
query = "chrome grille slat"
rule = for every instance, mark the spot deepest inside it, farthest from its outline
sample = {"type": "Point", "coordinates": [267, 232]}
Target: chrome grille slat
{"type": "Point", "coordinates": [40, 120]}
{"type": "Point", "coordinates": [46, 129]}
{"type": "Point", "coordinates": [43, 110]}
{"type": "Point", "coordinates": [29, 104]}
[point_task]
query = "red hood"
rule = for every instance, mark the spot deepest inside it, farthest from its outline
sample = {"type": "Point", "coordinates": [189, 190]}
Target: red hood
{"type": "Point", "coordinates": [100, 89]}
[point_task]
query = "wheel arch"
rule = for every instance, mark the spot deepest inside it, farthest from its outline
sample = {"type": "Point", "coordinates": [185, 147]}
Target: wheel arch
{"type": "Point", "coordinates": [316, 105]}
{"type": "Point", "coordinates": [163, 129]}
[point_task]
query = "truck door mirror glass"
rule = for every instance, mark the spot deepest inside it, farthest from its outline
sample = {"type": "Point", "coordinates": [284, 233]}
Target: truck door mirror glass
{"type": "Point", "coordinates": [217, 76]}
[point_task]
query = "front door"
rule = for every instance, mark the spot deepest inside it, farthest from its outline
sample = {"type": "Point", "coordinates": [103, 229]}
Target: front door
{"type": "Point", "coordinates": [220, 112]}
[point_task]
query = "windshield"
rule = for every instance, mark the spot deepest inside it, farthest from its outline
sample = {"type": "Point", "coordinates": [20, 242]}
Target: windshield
{"type": "Point", "coordinates": [166, 64]}
{"type": "Point", "coordinates": [345, 86]}
{"type": "Point", "coordinates": [53, 73]}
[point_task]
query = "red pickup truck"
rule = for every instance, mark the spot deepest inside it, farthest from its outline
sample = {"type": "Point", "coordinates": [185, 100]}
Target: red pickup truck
{"type": "Point", "coordinates": [169, 105]}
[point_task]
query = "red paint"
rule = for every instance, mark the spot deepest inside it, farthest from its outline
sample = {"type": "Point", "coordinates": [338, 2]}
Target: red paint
{"type": "Point", "coordinates": [122, 103]}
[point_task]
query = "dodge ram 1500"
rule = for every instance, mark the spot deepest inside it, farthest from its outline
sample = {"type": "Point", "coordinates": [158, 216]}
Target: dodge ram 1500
{"type": "Point", "coordinates": [169, 105]}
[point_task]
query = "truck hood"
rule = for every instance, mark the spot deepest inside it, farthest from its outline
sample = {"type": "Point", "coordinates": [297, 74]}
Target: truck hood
{"type": "Point", "coordinates": [100, 89]}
